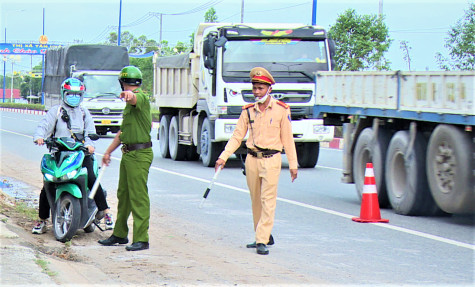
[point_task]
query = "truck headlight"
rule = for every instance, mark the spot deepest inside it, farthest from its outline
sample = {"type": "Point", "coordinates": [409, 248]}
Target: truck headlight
{"type": "Point", "coordinates": [229, 128]}
{"type": "Point", "coordinates": [222, 110]}
{"type": "Point", "coordinates": [320, 129]}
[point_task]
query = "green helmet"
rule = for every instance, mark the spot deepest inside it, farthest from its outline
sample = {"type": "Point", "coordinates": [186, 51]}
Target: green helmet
{"type": "Point", "coordinates": [130, 75]}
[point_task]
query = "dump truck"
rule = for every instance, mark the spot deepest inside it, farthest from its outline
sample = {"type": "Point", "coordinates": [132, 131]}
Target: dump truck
{"type": "Point", "coordinates": [417, 130]}
{"type": "Point", "coordinates": [98, 66]}
{"type": "Point", "coordinates": [200, 94]}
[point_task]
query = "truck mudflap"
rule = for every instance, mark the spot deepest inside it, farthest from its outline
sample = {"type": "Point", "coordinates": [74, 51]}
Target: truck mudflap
{"type": "Point", "coordinates": [308, 130]}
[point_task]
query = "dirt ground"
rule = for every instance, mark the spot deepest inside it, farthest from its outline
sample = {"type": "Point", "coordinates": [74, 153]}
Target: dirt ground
{"type": "Point", "coordinates": [176, 257]}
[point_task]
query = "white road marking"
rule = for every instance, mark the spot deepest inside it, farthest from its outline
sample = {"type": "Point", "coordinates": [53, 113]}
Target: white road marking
{"type": "Point", "coordinates": [289, 201]}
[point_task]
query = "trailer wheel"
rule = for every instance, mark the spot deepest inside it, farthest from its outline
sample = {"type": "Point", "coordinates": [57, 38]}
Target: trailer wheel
{"type": "Point", "coordinates": [406, 181]}
{"type": "Point", "coordinates": [163, 136]}
{"type": "Point", "coordinates": [209, 150]}
{"type": "Point", "coordinates": [177, 151]}
{"type": "Point", "coordinates": [450, 169]}
{"type": "Point", "coordinates": [307, 154]}
{"type": "Point", "coordinates": [366, 152]}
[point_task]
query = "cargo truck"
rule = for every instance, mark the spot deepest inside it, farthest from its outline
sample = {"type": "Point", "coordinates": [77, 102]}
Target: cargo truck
{"type": "Point", "coordinates": [98, 66]}
{"type": "Point", "coordinates": [200, 94]}
{"type": "Point", "coordinates": [417, 130]}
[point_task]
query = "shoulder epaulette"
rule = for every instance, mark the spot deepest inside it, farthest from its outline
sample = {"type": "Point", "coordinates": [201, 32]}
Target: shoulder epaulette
{"type": "Point", "coordinates": [247, 106]}
{"type": "Point", "coordinates": [283, 104]}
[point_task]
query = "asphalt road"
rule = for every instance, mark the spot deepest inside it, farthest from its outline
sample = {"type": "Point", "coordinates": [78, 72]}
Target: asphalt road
{"type": "Point", "coordinates": [313, 230]}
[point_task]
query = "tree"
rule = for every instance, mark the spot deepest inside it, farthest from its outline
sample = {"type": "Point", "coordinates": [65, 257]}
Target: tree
{"type": "Point", "coordinates": [405, 49]}
{"type": "Point", "coordinates": [460, 43]}
{"type": "Point", "coordinates": [360, 41]}
{"type": "Point", "coordinates": [140, 45]}
{"type": "Point", "coordinates": [210, 16]}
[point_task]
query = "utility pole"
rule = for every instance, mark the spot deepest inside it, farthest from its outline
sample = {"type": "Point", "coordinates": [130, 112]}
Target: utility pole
{"type": "Point", "coordinates": [120, 23]}
{"type": "Point", "coordinates": [314, 12]}
{"type": "Point", "coordinates": [242, 11]}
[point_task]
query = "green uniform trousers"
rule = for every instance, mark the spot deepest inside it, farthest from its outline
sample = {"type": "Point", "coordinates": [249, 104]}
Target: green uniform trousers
{"type": "Point", "coordinates": [132, 194]}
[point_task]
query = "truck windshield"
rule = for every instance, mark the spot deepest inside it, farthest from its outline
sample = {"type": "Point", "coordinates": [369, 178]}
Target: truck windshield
{"type": "Point", "coordinates": [101, 86]}
{"type": "Point", "coordinates": [288, 60]}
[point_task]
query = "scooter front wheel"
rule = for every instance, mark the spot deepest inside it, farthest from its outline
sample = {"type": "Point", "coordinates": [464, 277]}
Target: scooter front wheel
{"type": "Point", "coordinates": [67, 217]}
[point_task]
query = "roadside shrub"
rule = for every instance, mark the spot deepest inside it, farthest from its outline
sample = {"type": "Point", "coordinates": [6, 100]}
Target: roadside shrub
{"type": "Point", "coordinates": [35, 107]}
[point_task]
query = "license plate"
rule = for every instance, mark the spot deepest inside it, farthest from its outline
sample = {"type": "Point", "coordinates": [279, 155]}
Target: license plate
{"type": "Point", "coordinates": [106, 122]}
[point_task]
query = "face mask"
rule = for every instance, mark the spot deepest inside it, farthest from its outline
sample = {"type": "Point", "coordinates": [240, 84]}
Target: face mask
{"type": "Point", "coordinates": [72, 100]}
{"type": "Point", "coordinates": [264, 98]}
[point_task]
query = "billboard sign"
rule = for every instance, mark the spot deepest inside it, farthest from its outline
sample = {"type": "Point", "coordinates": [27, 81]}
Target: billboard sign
{"type": "Point", "coordinates": [25, 49]}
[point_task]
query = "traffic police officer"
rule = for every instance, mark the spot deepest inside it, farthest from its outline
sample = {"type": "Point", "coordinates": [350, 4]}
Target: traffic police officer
{"type": "Point", "coordinates": [134, 135]}
{"type": "Point", "coordinates": [269, 124]}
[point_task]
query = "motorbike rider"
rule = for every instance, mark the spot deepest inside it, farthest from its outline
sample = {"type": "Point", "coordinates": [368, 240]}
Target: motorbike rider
{"type": "Point", "coordinates": [55, 124]}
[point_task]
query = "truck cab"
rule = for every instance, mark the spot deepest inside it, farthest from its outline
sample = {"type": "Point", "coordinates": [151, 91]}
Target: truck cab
{"type": "Point", "coordinates": [102, 99]}
{"type": "Point", "coordinates": [218, 84]}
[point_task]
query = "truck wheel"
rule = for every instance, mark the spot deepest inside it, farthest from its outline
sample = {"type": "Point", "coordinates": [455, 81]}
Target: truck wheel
{"type": "Point", "coordinates": [307, 154]}
{"type": "Point", "coordinates": [406, 182]}
{"type": "Point", "coordinates": [163, 136]}
{"type": "Point", "coordinates": [450, 169]}
{"type": "Point", "coordinates": [209, 150]}
{"type": "Point", "coordinates": [177, 151]}
{"type": "Point", "coordinates": [366, 152]}
{"type": "Point", "coordinates": [66, 217]}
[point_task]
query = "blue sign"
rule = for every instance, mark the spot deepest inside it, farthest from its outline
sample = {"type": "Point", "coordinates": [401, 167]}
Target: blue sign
{"type": "Point", "coordinates": [25, 49]}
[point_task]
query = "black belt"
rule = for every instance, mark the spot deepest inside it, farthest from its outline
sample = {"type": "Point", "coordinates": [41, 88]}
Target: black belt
{"type": "Point", "coordinates": [130, 147]}
{"type": "Point", "coordinates": [263, 154]}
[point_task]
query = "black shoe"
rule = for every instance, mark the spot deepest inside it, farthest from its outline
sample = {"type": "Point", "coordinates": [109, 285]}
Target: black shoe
{"type": "Point", "coordinates": [262, 249]}
{"type": "Point", "coordinates": [136, 246]}
{"type": "Point", "coordinates": [254, 245]}
{"type": "Point", "coordinates": [113, 240]}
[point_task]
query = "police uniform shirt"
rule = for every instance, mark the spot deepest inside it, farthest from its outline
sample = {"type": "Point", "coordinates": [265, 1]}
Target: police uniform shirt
{"type": "Point", "coordinates": [137, 120]}
{"type": "Point", "coordinates": [271, 129]}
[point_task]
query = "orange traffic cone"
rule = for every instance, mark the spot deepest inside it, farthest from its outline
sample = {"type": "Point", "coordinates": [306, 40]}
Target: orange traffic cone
{"type": "Point", "coordinates": [369, 204]}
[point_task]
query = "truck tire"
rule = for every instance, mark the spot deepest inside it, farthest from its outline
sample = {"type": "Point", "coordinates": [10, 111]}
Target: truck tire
{"type": "Point", "coordinates": [366, 152]}
{"type": "Point", "coordinates": [67, 217]}
{"type": "Point", "coordinates": [307, 154]}
{"type": "Point", "coordinates": [406, 181]}
{"type": "Point", "coordinates": [177, 151]}
{"type": "Point", "coordinates": [450, 169]}
{"type": "Point", "coordinates": [209, 150]}
{"type": "Point", "coordinates": [163, 136]}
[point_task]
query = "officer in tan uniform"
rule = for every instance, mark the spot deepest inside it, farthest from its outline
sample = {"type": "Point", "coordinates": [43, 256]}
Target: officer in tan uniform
{"type": "Point", "coordinates": [270, 131]}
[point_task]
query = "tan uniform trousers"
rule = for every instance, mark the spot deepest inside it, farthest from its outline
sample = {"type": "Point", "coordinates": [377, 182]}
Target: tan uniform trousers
{"type": "Point", "coordinates": [262, 177]}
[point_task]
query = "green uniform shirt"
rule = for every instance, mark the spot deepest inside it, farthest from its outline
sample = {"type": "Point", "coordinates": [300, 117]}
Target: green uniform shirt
{"type": "Point", "coordinates": [137, 121]}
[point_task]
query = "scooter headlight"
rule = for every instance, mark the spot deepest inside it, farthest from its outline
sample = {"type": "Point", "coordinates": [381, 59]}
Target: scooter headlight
{"type": "Point", "coordinates": [49, 177]}
{"type": "Point", "coordinates": [70, 175]}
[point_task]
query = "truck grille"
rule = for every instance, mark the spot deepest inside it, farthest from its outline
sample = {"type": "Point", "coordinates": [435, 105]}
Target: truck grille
{"type": "Point", "coordinates": [283, 96]}
{"type": "Point", "coordinates": [106, 112]}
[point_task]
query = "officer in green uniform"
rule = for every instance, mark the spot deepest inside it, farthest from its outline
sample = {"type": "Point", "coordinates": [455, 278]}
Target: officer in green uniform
{"type": "Point", "coordinates": [134, 135]}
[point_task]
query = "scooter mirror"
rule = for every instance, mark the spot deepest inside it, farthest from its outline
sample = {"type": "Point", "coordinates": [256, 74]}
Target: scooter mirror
{"type": "Point", "coordinates": [93, 137]}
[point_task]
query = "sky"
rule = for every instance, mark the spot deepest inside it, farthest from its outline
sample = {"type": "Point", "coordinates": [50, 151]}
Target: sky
{"type": "Point", "coordinates": [422, 23]}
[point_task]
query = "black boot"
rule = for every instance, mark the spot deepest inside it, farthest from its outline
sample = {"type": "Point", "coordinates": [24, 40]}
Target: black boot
{"type": "Point", "coordinates": [136, 246]}
{"type": "Point", "coordinates": [254, 245]}
{"type": "Point", "coordinates": [113, 240]}
{"type": "Point", "coordinates": [262, 249]}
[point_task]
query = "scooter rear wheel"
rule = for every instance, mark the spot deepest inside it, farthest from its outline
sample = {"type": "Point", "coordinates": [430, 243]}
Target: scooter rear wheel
{"type": "Point", "coordinates": [67, 217]}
